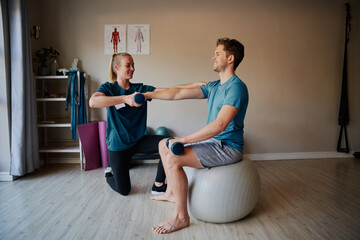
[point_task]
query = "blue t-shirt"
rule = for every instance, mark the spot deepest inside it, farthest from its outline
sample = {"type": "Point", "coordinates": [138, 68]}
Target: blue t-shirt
{"type": "Point", "coordinates": [125, 126]}
{"type": "Point", "coordinates": [233, 92]}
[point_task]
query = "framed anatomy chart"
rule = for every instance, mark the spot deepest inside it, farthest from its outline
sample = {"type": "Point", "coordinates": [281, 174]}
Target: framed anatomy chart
{"type": "Point", "coordinates": [114, 38]}
{"type": "Point", "coordinates": [138, 38]}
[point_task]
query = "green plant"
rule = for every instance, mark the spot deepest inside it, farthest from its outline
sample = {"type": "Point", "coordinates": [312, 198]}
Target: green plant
{"type": "Point", "coordinates": [42, 55]}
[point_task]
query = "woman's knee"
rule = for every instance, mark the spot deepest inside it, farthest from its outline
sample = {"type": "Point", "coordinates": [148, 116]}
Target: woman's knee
{"type": "Point", "coordinates": [124, 191]}
{"type": "Point", "coordinates": [122, 182]}
{"type": "Point", "coordinates": [123, 186]}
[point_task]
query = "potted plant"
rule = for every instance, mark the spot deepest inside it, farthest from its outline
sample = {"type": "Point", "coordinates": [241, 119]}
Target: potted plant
{"type": "Point", "coordinates": [53, 54]}
{"type": "Point", "coordinates": [42, 56]}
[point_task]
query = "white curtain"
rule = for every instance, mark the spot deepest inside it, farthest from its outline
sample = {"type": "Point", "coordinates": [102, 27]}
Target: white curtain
{"type": "Point", "coordinates": [23, 132]}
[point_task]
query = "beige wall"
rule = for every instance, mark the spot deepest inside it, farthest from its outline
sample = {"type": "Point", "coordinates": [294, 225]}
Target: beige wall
{"type": "Point", "coordinates": [292, 66]}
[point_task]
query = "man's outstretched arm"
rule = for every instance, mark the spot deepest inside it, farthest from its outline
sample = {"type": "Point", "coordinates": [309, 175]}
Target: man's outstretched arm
{"type": "Point", "coordinates": [176, 93]}
{"type": "Point", "coordinates": [188, 85]}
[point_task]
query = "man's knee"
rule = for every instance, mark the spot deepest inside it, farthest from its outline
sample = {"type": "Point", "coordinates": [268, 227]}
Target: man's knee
{"type": "Point", "coordinates": [169, 160]}
{"type": "Point", "coordinates": [162, 144]}
{"type": "Point", "coordinates": [172, 161]}
{"type": "Point", "coordinates": [162, 147]}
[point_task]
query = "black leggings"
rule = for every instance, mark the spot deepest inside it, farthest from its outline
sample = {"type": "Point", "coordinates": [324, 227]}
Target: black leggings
{"type": "Point", "coordinates": [120, 163]}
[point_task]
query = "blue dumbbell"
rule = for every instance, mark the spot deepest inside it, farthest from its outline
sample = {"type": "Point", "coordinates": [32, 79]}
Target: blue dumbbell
{"type": "Point", "coordinates": [177, 148]}
{"type": "Point", "coordinates": [139, 98]}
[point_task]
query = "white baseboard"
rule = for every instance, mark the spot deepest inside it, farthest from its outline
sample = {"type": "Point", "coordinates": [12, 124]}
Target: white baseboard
{"type": "Point", "coordinates": [77, 161]}
{"type": "Point", "coordinates": [253, 157]}
{"type": "Point", "coordinates": [6, 177]}
{"type": "Point", "coordinates": [298, 155]}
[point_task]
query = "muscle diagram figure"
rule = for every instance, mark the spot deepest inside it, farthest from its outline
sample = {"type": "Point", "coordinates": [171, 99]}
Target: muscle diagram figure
{"type": "Point", "coordinates": [115, 39]}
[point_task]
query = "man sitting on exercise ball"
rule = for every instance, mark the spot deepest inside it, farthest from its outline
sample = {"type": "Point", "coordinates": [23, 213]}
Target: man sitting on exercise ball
{"type": "Point", "coordinates": [220, 142]}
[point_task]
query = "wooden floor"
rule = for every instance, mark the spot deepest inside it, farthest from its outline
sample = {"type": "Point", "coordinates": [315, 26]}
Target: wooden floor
{"type": "Point", "coordinates": [300, 199]}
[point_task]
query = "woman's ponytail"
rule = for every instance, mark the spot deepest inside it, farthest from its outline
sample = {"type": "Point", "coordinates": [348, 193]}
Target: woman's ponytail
{"type": "Point", "coordinates": [112, 72]}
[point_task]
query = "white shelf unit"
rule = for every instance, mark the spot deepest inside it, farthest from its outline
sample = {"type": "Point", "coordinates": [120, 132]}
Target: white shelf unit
{"type": "Point", "coordinates": [61, 121]}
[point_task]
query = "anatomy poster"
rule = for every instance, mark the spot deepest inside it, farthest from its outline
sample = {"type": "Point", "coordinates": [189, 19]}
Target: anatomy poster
{"type": "Point", "coordinates": [139, 38]}
{"type": "Point", "coordinates": [115, 39]}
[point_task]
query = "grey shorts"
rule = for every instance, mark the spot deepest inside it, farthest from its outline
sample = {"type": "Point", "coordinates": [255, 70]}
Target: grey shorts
{"type": "Point", "coordinates": [213, 152]}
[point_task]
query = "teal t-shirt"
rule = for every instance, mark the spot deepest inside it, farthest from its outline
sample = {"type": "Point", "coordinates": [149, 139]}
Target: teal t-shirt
{"type": "Point", "coordinates": [233, 92]}
{"type": "Point", "coordinates": [125, 126]}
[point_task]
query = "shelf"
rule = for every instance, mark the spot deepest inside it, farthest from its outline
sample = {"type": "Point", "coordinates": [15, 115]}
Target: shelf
{"type": "Point", "coordinates": [53, 123]}
{"type": "Point", "coordinates": [51, 77]}
{"type": "Point", "coordinates": [61, 149]}
{"type": "Point", "coordinates": [61, 146]}
{"type": "Point", "coordinates": [51, 99]}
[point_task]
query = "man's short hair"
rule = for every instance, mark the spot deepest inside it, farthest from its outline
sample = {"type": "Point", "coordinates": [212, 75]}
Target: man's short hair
{"type": "Point", "coordinates": [232, 47]}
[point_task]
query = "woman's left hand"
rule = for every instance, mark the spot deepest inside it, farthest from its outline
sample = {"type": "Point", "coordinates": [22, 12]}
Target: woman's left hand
{"type": "Point", "coordinates": [130, 100]}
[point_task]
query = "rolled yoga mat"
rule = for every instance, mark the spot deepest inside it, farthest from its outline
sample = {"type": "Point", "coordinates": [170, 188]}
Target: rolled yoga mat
{"type": "Point", "coordinates": [89, 137]}
{"type": "Point", "coordinates": [102, 142]}
{"type": "Point", "coordinates": [93, 140]}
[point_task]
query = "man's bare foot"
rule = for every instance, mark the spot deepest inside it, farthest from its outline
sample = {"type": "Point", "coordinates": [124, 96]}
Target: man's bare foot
{"type": "Point", "coordinates": [172, 225]}
{"type": "Point", "coordinates": [168, 197]}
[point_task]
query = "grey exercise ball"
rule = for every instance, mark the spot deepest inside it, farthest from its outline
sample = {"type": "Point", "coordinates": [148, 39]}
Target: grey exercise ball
{"type": "Point", "coordinates": [223, 194]}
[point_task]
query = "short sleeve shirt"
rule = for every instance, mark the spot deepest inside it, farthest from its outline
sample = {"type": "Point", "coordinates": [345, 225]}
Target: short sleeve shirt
{"type": "Point", "coordinates": [235, 93]}
{"type": "Point", "coordinates": [125, 126]}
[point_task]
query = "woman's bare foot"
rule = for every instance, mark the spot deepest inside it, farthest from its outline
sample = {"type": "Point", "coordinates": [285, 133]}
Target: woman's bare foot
{"type": "Point", "coordinates": [172, 225]}
{"type": "Point", "coordinates": [168, 197]}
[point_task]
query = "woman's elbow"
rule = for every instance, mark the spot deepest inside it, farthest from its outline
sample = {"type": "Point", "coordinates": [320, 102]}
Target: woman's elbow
{"type": "Point", "coordinates": [92, 103]}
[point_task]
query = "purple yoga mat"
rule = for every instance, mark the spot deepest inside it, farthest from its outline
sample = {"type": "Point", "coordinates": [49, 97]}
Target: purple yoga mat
{"type": "Point", "coordinates": [89, 137]}
{"type": "Point", "coordinates": [103, 146]}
